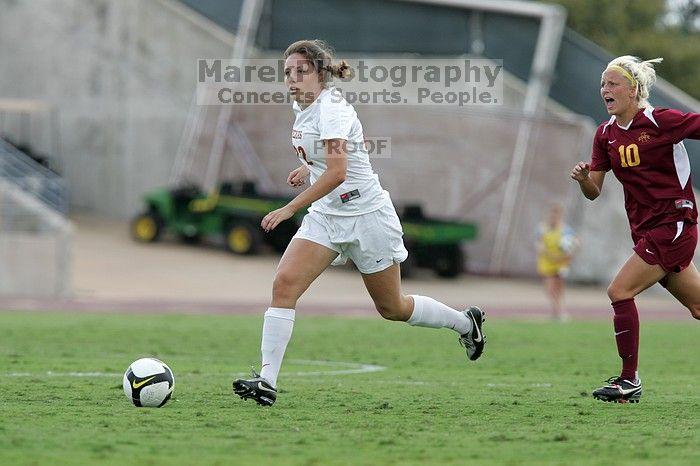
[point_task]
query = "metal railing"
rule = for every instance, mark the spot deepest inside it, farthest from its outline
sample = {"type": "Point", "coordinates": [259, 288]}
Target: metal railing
{"type": "Point", "coordinates": [18, 168]}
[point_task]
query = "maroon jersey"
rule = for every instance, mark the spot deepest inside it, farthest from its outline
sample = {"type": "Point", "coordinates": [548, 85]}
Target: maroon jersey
{"type": "Point", "coordinates": [650, 160]}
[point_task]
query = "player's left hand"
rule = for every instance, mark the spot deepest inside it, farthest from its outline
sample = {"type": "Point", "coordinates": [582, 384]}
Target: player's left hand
{"type": "Point", "coordinates": [276, 217]}
{"type": "Point", "coordinates": [297, 177]}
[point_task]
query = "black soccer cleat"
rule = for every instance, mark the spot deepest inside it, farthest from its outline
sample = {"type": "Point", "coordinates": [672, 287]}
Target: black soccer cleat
{"type": "Point", "coordinates": [619, 390]}
{"type": "Point", "coordinates": [257, 388]}
{"type": "Point", "coordinates": [474, 340]}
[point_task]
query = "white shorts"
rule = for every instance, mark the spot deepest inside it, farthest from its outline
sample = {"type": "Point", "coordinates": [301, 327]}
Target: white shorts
{"type": "Point", "coordinates": [374, 241]}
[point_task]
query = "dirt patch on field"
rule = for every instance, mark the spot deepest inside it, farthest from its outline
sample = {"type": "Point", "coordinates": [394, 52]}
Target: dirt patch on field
{"type": "Point", "coordinates": [111, 273]}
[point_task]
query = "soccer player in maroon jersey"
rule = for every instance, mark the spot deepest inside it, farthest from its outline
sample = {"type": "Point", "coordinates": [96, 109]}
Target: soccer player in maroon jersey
{"type": "Point", "coordinates": [643, 146]}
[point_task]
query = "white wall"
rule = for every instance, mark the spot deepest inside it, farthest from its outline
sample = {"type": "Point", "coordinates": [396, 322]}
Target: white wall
{"type": "Point", "coordinates": [122, 75]}
{"type": "Point", "coordinates": [35, 246]}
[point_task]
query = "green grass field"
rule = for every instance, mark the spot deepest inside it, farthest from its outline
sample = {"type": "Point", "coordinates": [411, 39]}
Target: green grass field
{"type": "Point", "coordinates": [526, 401]}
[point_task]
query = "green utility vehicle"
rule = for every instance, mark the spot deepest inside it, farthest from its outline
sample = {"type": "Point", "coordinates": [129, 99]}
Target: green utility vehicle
{"type": "Point", "coordinates": [434, 244]}
{"type": "Point", "coordinates": [235, 211]}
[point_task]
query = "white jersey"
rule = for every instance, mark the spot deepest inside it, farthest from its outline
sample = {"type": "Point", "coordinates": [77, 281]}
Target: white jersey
{"type": "Point", "coordinates": [331, 117]}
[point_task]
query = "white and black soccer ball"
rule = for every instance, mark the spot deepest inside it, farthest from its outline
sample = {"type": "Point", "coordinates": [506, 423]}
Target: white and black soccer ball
{"type": "Point", "coordinates": [569, 244]}
{"type": "Point", "coordinates": [148, 382]}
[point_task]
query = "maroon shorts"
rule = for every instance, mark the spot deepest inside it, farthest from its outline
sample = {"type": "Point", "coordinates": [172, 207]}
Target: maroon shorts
{"type": "Point", "coordinates": [672, 246]}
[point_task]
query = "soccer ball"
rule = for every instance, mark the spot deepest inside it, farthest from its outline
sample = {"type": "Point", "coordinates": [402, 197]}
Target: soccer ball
{"type": "Point", "coordinates": [568, 244]}
{"type": "Point", "coordinates": [148, 382]}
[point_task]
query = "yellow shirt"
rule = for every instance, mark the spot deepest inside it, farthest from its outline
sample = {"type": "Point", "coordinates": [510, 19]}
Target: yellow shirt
{"type": "Point", "coordinates": [552, 260]}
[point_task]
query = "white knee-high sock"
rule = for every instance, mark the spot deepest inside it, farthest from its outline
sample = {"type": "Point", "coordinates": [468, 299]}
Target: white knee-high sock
{"type": "Point", "coordinates": [277, 331]}
{"type": "Point", "coordinates": [428, 312]}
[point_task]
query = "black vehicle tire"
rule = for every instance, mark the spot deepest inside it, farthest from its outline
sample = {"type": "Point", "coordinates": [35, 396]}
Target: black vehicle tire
{"type": "Point", "coordinates": [448, 261]}
{"type": "Point", "coordinates": [146, 227]}
{"type": "Point", "coordinates": [243, 237]}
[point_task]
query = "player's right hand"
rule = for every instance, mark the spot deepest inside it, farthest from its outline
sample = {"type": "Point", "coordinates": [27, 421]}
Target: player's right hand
{"type": "Point", "coordinates": [274, 218]}
{"type": "Point", "coordinates": [580, 171]}
{"type": "Point", "coordinates": [297, 177]}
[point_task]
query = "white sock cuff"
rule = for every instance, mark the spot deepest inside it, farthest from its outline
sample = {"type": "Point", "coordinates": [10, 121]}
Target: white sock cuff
{"type": "Point", "coordinates": [280, 313]}
{"type": "Point", "coordinates": [417, 309]}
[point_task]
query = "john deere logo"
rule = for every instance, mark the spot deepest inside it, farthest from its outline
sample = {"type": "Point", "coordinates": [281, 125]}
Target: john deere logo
{"type": "Point", "coordinates": [644, 137]}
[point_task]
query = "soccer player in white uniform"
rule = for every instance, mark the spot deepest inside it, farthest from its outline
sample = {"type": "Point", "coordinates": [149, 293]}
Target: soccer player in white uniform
{"type": "Point", "coordinates": [350, 216]}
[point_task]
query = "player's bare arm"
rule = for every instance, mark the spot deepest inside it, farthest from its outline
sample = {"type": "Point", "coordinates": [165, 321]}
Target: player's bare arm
{"type": "Point", "coordinates": [336, 171]}
{"type": "Point", "coordinates": [590, 182]}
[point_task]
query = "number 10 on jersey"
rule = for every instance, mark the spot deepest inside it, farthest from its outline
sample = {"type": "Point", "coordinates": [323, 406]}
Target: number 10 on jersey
{"type": "Point", "coordinates": [629, 155]}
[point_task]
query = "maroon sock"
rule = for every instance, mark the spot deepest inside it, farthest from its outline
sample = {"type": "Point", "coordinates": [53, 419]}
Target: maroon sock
{"type": "Point", "coordinates": [626, 323]}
